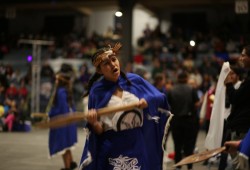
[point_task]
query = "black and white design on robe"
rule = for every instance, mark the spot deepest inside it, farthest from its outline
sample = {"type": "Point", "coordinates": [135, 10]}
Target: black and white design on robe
{"type": "Point", "coordinates": [124, 162]}
{"type": "Point", "coordinates": [129, 120]}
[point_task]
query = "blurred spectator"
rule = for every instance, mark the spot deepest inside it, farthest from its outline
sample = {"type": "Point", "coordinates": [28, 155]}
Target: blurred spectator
{"type": "Point", "coordinates": [184, 102]}
{"type": "Point", "coordinates": [207, 105]}
{"type": "Point", "coordinates": [109, 33]}
{"type": "Point", "coordinates": [169, 84]}
{"type": "Point", "coordinates": [147, 31]}
{"type": "Point", "coordinates": [52, 52]}
{"type": "Point", "coordinates": [208, 68]}
{"type": "Point", "coordinates": [138, 58]}
{"type": "Point", "coordinates": [206, 83]}
{"type": "Point", "coordinates": [22, 105]}
{"type": "Point", "coordinates": [22, 91]}
{"type": "Point", "coordinates": [3, 50]}
{"type": "Point", "coordinates": [2, 94]}
{"type": "Point", "coordinates": [157, 68]}
{"type": "Point", "coordinates": [47, 73]}
{"type": "Point", "coordinates": [160, 83]}
{"type": "Point", "coordinates": [10, 74]}
{"type": "Point", "coordinates": [129, 68]}
{"type": "Point", "coordinates": [143, 72]}
{"type": "Point", "coordinates": [11, 114]}
{"type": "Point", "coordinates": [11, 92]}
{"type": "Point", "coordinates": [84, 74]}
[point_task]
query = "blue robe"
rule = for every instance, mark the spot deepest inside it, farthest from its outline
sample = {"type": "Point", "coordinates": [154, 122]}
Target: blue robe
{"type": "Point", "coordinates": [245, 146]}
{"type": "Point", "coordinates": [143, 143]}
{"type": "Point", "coordinates": [65, 137]}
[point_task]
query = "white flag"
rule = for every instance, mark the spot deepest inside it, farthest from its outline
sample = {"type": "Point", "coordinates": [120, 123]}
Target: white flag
{"type": "Point", "coordinates": [214, 136]}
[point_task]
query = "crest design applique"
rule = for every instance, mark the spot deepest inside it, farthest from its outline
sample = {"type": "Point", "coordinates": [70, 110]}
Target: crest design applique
{"type": "Point", "coordinates": [124, 163]}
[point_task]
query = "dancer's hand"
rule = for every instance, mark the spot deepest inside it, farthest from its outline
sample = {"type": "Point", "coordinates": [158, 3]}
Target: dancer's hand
{"type": "Point", "coordinates": [142, 103]}
{"type": "Point", "coordinates": [232, 146]}
{"type": "Point", "coordinates": [92, 116]}
{"type": "Point", "coordinates": [93, 121]}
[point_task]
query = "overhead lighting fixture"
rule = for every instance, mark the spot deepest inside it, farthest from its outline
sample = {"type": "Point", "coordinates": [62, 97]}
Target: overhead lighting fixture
{"type": "Point", "coordinates": [192, 43]}
{"type": "Point", "coordinates": [118, 14]}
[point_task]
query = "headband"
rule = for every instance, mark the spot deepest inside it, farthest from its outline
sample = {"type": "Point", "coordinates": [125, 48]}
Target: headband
{"type": "Point", "coordinates": [61, 77]}
{"type": "Point", "coordinates": [106, 53]}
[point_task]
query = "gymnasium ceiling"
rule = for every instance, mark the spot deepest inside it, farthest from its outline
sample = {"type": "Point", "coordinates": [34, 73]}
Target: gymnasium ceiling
{"type": "Point", "coordinates": [157, 6]}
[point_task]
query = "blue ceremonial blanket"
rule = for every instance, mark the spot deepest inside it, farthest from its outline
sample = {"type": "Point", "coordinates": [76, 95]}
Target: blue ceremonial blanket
{"type": "Point", "coordinates": [138, 148]}
{"type": "Point", "coordinates": [64, 137]}
{"type": "Point", "coordinates": [245, 145]}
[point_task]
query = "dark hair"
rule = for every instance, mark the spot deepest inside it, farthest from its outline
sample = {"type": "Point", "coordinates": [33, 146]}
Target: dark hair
{"type": "Point", "coordinates": [99, 52]}
{"type": "Point", "coordinates": [66, 68]}
{"type": "Point", "coordinates": [247, 49]}
{"type": "Point", "coordinates": [63, 78]}
{"type": "Point", "coordinates": [96, 75]}
{"type": "Point", "coordinates": [182, 77]}
{"type": "Point", "coordinates": [237, 70]}
{"type": "Point", "coordinates": [93, 79]}
{"type": "Point", "coordinates": [158, 78]}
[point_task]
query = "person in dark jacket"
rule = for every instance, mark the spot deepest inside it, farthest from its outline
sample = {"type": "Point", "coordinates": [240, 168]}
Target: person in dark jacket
{"type": "Point", "coordinates": [184, 102]}
{"type": "Point", "coordinates": [238, 121]}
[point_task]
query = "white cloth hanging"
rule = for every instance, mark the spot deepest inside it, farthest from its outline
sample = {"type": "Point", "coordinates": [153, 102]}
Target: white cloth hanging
{"type": "Point", "coordinates": [219, 112]}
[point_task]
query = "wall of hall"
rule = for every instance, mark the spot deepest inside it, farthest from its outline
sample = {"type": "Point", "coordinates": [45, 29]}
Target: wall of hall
{"type": "Point", "coordinates": [215, 17]}
{"type": "Point", "coordinates": [30, 22]}
{"type": "Point", "coordinates": [101, 19]}
{"type": "Point", "coordinates": [142, 17]}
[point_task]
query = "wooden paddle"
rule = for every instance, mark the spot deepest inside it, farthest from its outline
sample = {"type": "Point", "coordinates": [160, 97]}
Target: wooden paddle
{"type": "Point", "coordinates": [200, 156]}
{"type": "Point", "coordinates": [65, 119]}
{"type": "Point", "coordinates": [39, 115]}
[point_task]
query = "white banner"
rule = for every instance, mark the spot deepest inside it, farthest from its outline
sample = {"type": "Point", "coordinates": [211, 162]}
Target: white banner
{"type": "Point", "coordinates": [214, 136]}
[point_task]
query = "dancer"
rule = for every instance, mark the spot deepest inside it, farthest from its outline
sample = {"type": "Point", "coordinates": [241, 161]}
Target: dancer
{"type": "Point", "coordinates": [63, 139]}
{"type": "Point", "coordinates": [122, 140]}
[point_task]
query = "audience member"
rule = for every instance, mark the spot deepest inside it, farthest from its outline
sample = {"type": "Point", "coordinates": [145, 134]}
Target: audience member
{"type": "Point", "coordinates": [184, 102]}
{"type": "Point", "coordinates": [238, 120]}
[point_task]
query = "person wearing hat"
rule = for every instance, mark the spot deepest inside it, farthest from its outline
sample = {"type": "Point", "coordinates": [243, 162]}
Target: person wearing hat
{"type": "Point", "coordinates": [127, 139]}
{"type": "Point", "coordinates": [62, 140]}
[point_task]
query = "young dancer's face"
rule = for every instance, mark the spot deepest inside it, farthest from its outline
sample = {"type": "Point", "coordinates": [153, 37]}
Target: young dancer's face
{"type": "Point", "coordinates": [110, 67]}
